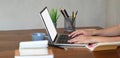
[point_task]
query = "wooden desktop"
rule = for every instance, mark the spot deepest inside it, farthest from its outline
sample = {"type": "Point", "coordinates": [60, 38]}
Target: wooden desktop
{"type": "Point", "coordinates": [9, 41]}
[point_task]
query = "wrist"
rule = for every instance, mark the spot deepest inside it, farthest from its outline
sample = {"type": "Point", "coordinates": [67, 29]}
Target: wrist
{"type": "Point", "coordinates": [94, 39]}
{"type": "Point", "coordinates": [95, 32]}
{"type": "Point", "coordinates": [97, 39]}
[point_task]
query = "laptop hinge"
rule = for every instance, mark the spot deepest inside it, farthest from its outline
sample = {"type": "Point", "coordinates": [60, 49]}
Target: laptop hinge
{"type": "Point", "coordinates": [56, 38]}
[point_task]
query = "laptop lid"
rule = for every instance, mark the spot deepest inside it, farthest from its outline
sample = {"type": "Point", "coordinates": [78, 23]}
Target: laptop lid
{"type": "Point", "coordinates": [50, 28]}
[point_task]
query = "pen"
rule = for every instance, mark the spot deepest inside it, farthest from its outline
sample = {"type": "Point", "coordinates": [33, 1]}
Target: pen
{"type": "Point", "coordinates": [66, 13]}
{"type": "Point", "coordinates": [63, 12]}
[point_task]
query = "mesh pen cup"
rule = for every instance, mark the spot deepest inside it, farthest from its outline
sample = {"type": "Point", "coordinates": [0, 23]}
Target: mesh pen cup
{"type": "Point", "coordinates": [69, 24]}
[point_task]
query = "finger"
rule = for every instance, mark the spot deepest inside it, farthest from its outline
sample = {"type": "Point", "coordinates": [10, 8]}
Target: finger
{"type": "Point", "coordinates": [76, 34]}
{"type": "Point", "coordinates": [72, 40]}
{"type": "Point", "coordinates": [78, 42]}
{"type": "Point", "coordinates": [71, 34]}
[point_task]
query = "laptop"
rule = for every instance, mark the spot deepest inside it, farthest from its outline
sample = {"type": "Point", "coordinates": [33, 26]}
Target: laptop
{"type": "Point", "coordinates": [53, 37]}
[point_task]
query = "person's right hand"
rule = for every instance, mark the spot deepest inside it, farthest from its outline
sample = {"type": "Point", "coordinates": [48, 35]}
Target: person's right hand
{"type": "Point", "coordinates": [82, 32]}
{"type": "Point", "coordinates": [81, 39]}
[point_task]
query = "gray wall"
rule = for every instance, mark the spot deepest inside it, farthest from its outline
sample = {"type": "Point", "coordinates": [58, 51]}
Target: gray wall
{"type": "Point", "coordinates": [24, 14]}
{"type": "Point", "coordinates": [113, 13]}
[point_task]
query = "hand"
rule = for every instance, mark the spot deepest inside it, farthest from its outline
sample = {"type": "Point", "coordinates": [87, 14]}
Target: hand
{"type": "Point", "coordinates": [81, 39]}
{"type": "Point", "coordinates": [82, 32]}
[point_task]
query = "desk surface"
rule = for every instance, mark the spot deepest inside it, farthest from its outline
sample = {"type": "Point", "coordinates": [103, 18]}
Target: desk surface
{"type": "Point", "coordinates": [9, 41]}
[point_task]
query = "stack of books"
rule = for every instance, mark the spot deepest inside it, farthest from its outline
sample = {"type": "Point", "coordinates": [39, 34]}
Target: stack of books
{"type": "Point", "coordinates": [34, 49]}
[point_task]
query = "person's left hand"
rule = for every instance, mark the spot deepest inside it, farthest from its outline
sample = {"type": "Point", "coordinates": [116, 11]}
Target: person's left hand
{"type": "Point", "coordinates": [81, 39]}
{"type": "Point", "coordinates": [82, 32]}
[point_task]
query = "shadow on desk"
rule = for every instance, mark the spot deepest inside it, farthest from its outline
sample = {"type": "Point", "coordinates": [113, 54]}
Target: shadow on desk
{"type": "Point", "coordinates": [107, 53]}
{"type": "Point", "coordinates": [72, 53]}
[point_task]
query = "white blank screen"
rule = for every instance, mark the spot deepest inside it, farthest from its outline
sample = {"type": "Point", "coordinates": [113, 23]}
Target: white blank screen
{"type": "Point", "coordinates": [49, 24]}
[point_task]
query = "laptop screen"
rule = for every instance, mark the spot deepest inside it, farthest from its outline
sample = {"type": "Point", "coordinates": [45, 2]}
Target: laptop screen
{"type": "Point", "coordinates": [48, 23]}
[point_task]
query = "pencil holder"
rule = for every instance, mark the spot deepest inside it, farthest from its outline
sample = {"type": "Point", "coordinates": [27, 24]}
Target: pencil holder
{"type": "Point", "coordinates": [69, 24]}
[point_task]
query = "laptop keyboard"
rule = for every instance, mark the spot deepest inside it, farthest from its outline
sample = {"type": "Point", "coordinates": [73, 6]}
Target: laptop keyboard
{"type": "Point", "coordinates": [63, 39]}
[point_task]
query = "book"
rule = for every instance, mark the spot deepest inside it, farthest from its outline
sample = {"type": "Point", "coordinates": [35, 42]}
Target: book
{"type": "Point", "coordinates": [103, 46]}
{"type": "Point", "coordinates": [96, 46]}
{"type": "Point", "coordinates": [35, 51]}
{"type": "Point", "coordinates": [33, 44]}
{"type": "Point", "coordinates": [34, 55]}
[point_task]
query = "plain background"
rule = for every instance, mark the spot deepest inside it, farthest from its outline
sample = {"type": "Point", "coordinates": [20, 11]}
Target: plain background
{"type": "Point", "coordinates": [24, 14]}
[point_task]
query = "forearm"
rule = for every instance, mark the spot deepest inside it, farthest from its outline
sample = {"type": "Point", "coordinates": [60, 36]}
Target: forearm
{"type": "Point", "coordinates": [111, 31]}
{"type": "Point", "coordinates": [105, 39]}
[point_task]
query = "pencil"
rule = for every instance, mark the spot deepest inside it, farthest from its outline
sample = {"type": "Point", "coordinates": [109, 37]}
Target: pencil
{"type": "Point", "coordinates": [75, 14]}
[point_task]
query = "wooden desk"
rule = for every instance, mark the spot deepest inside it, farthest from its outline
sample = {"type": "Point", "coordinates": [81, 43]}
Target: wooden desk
{"type": "Point", "coordinates": [9, 41]}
